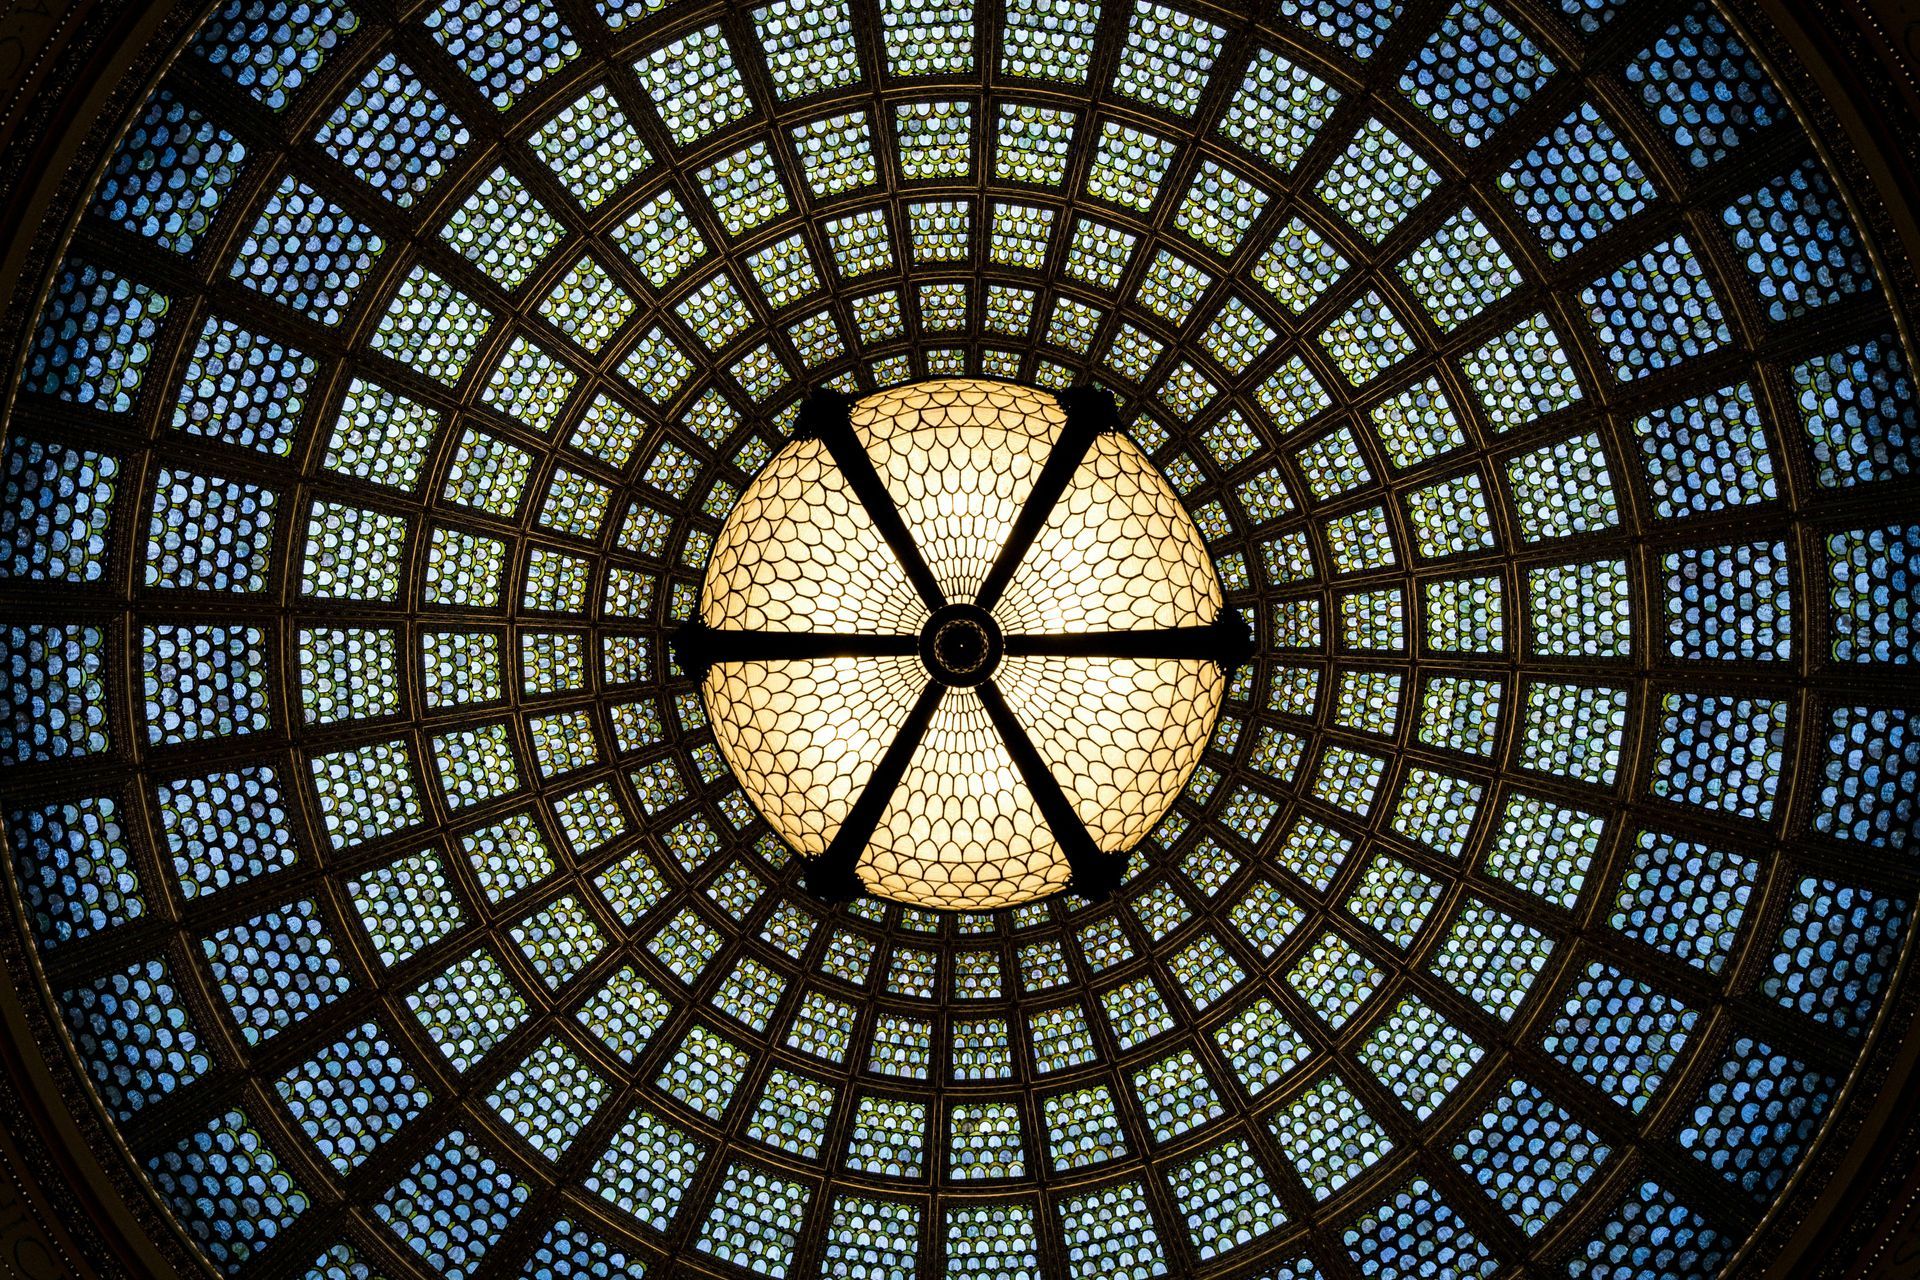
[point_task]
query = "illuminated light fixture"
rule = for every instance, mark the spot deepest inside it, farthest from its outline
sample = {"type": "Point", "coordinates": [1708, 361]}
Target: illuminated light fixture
{"type": "Point", "coordinates": [961, 644]}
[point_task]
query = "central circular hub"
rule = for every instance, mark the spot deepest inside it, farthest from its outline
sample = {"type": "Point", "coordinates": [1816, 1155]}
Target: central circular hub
{"type": "Point", "coordinates": [960, 645]}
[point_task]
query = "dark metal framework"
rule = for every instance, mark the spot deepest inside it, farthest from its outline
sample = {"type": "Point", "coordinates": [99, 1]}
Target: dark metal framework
{"type": "Point", "coordinates": [1226, 642]}
{"type": "Point", "coordinates": [1802, 515]}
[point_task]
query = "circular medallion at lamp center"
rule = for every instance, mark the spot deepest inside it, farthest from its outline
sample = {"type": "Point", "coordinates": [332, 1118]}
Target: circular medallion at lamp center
{"type": "Point", "coordinates": [961, 644]}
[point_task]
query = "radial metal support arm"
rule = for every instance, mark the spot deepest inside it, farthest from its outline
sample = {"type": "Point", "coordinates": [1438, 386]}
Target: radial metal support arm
{"type": "Point", "coordinates": [1095, 872]}
{"type": "Point", "coordinates": [1090, 413]}
{"type": "Point", "coordinates": [826, 417]}
{"type": "Point", "coordinates": [697, 646]}
{"type": "Point", "coordinates": [1225, 641]}
{"type": "Point", "coordinates": [834, 874]}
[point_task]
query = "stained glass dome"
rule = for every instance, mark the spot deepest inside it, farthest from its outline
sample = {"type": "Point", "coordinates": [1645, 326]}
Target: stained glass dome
{"type": "Point", "coordinates": [1533, 372]}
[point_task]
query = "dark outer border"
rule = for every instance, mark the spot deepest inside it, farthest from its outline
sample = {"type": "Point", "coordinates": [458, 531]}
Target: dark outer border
{"type": "Point", "coordinates": [73, 1205]}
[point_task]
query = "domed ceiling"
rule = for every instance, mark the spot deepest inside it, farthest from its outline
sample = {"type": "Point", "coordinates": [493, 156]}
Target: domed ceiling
{"type": "Point", "coordinates": [1530, 373]}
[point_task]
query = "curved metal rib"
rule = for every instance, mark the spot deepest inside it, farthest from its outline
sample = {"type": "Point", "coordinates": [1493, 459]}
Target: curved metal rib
{"type": "Point", "coordinates": [1089, 413]}
{"type": "Point", "coordinates": [1095, 873]}
{"type": "Point", "coordinates": [826, 417]}
{"type": "Point", "coordinates": [833, 874]}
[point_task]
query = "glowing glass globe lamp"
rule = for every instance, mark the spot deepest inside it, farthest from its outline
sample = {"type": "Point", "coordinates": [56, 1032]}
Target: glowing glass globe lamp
{"type": "Point", "coordinates": [961, 644]}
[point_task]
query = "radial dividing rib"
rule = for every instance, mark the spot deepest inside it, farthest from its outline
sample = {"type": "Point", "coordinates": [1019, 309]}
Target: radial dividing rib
{"type": "Point", "coordinates": [1095, 873]}
{"type": "Point", "coordinates": [834, 874]}
{"type": "Point", "coordinates": [1224, 641]}
{"type": "Point", "coordinates": [1089, 413]}
{"type": "Point", "coordinates": [826, 417]}
{"type": "Point", "coordinates": [697, 646]}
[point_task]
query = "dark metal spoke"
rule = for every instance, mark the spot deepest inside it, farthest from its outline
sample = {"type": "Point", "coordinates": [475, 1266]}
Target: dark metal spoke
{"type": "Point", "coordinates": [1089, 413]}
{"type": "Point", "coordinates": [1095, 873]}
{"type": "Point", "coordinates": [826, 417]}
{"type": "Point", "coordinates": [696, 646]}
{"type": "Point", "coordinates": [833, 875]}
{"type": "Point", "coordinates": [1225, 641]}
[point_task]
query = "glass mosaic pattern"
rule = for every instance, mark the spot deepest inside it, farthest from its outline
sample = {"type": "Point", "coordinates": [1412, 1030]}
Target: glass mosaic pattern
{"type": "Point", "coordinates": [1531, 389]}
